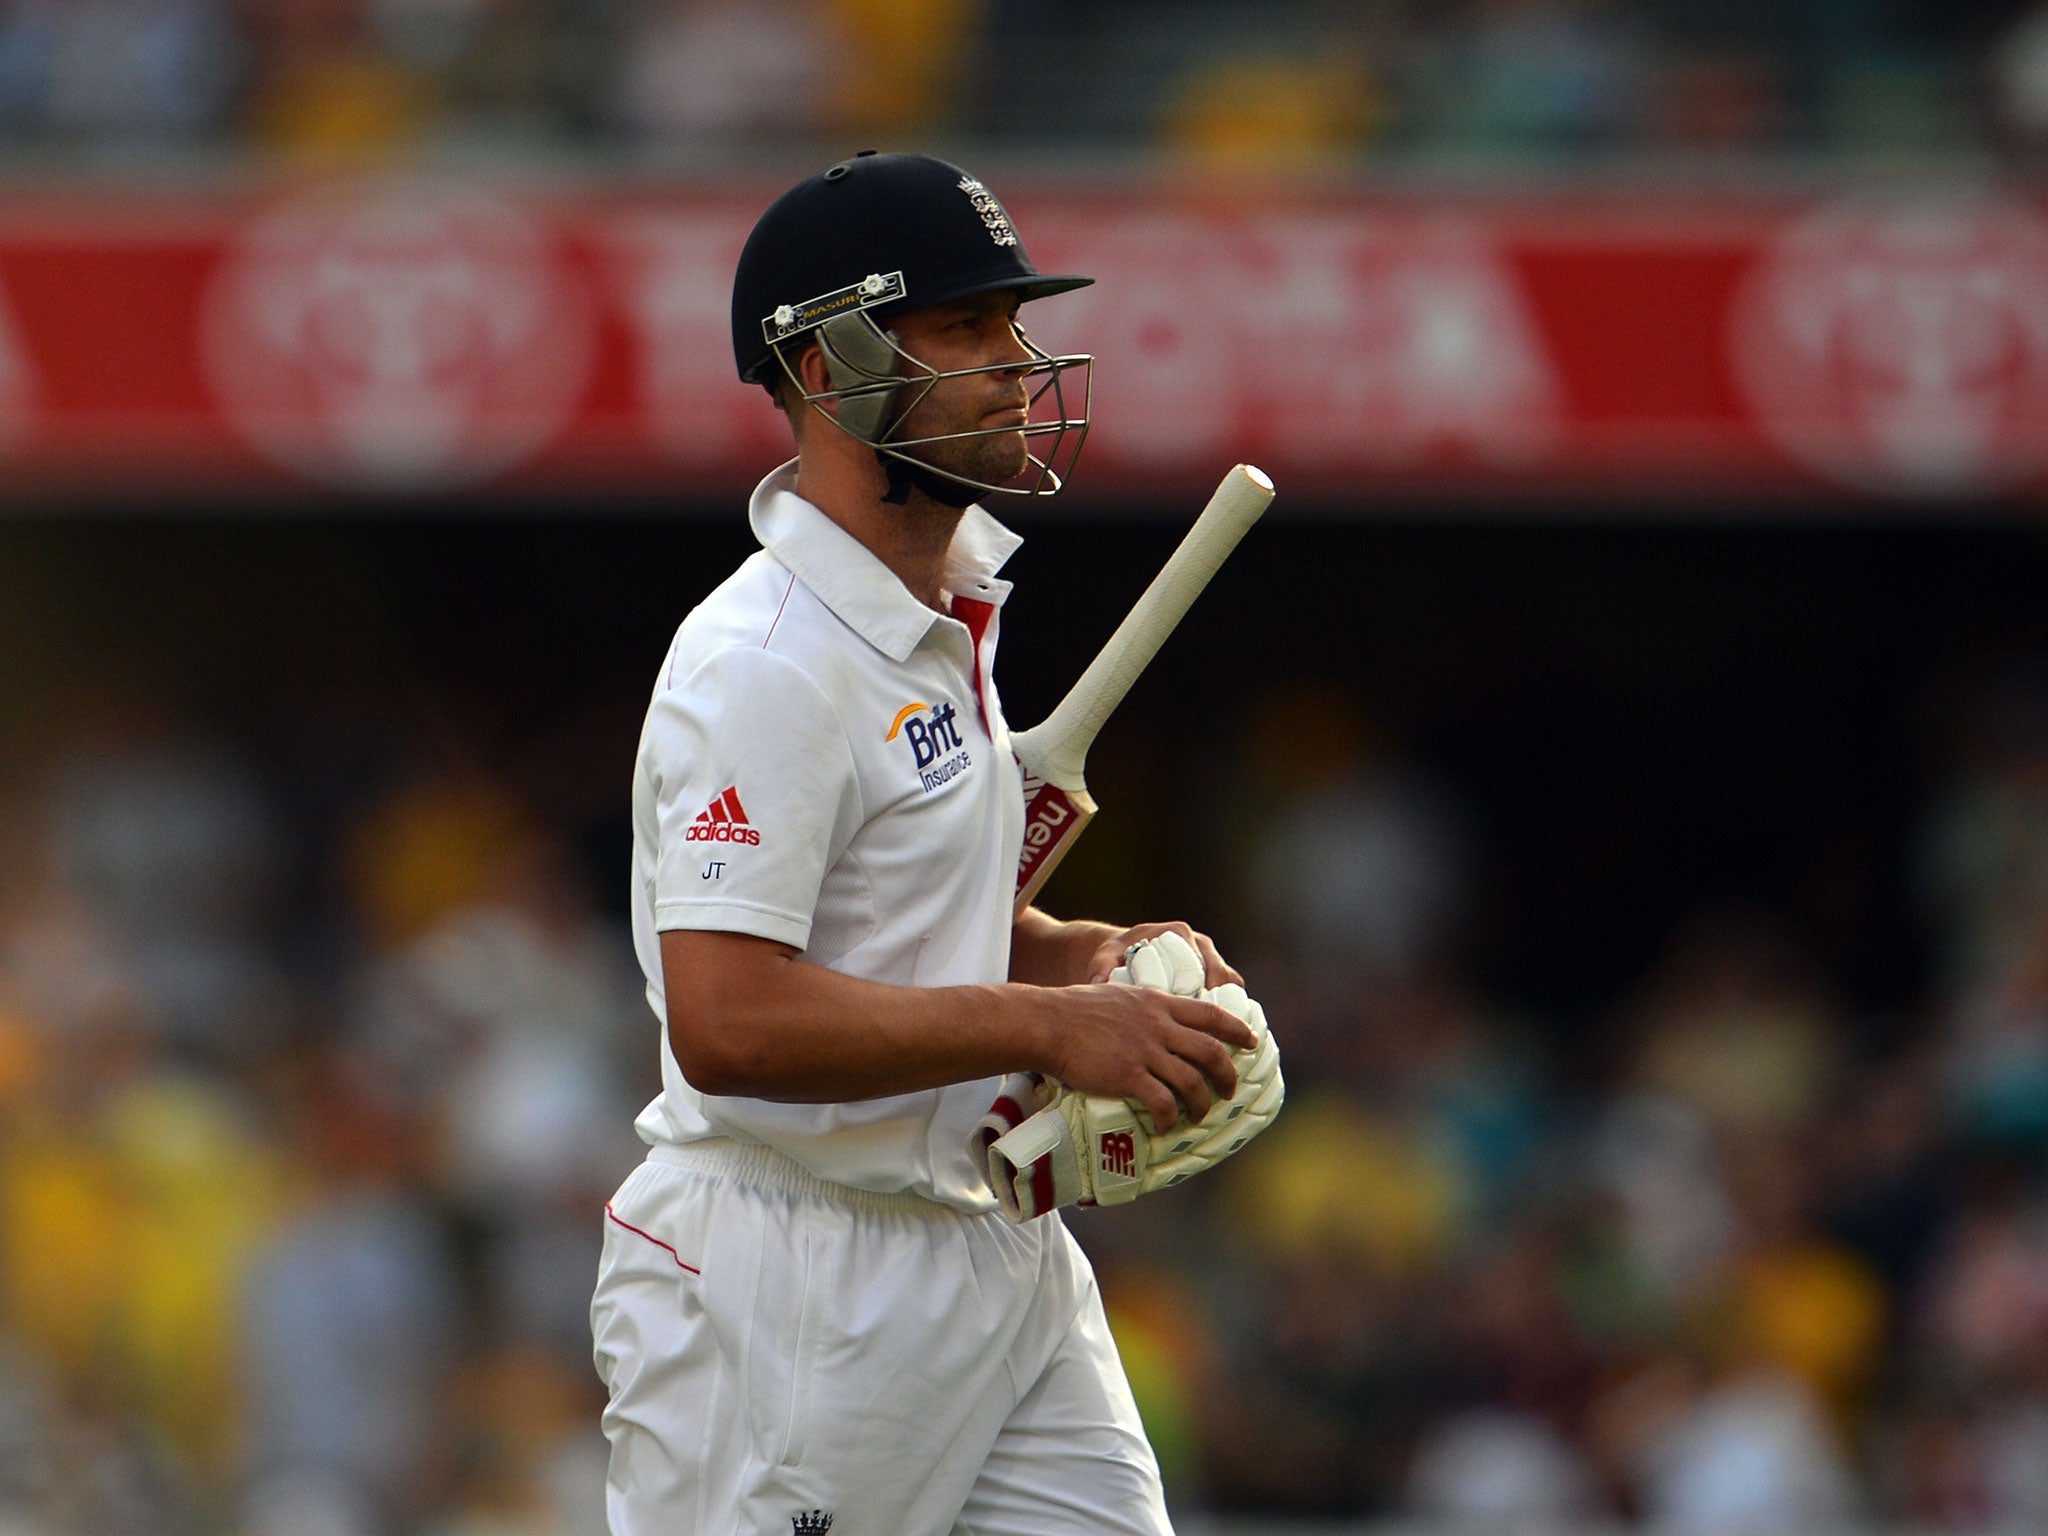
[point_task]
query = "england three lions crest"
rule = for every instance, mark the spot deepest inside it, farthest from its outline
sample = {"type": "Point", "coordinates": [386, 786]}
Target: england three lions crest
{"type": "Point", "coordinates": [993, 218]}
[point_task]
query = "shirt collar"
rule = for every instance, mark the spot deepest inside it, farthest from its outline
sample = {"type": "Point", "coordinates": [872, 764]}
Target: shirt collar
{"type": "Point", "coordinates": [847, 577]}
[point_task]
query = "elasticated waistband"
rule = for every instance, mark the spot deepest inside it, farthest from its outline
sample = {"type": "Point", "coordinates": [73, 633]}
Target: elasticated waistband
{"type": "Point", "coordinates": [766, 1168]}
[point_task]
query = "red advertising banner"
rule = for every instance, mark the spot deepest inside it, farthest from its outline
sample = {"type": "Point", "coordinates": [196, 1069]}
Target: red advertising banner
{"type": "Point", "coordinates": [421, 339]}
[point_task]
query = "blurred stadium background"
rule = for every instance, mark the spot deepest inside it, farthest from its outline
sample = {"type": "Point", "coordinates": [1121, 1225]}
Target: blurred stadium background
{"type": "Point", "coordinates": [1620, 763]}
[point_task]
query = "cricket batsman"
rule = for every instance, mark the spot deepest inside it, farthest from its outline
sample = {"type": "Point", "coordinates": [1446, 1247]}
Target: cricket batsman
{"type": "Point", "coordinates": [837, 1295]}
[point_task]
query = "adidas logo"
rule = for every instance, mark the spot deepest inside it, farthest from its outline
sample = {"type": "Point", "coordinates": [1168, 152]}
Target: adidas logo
{"type": "Point", "coordinates": [725, 821]}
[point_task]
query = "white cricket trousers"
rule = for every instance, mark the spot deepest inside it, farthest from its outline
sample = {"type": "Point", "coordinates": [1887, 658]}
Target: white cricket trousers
{"type": "Point", "coordinates": [778, 1349]}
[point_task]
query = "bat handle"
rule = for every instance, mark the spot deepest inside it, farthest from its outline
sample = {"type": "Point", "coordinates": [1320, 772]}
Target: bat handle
{"type": "Point", "coordinates": [1057, 747]}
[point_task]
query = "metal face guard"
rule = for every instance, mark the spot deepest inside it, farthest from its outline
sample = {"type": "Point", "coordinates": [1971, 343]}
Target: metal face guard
{"type": "Point", "coordinates": [872, 375]}
{"type": "Point", "coordinates": [863, 361]}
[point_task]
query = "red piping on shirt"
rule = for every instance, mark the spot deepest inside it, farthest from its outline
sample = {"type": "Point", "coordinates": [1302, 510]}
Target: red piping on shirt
{"type": "Point", "coordinates": [975, 614]}
{"type": "Point", "coordinates": [778, 611]}
{"type": "Point", "coordinates": [614, 1215]}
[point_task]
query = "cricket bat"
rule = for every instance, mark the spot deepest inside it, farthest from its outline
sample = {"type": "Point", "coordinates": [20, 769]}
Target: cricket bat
{"type": "Point", "coordinates": [1054, 753]}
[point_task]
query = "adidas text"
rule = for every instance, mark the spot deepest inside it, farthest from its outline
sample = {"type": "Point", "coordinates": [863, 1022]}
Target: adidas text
{"type": "Point", "coordinates": [722, 832]}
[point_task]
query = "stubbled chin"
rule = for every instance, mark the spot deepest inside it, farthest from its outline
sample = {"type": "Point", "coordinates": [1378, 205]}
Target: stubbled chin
{"type": "Point", "coordinates": [994, 460]}
{"type": "Point", "coordinates": [1011, 466]}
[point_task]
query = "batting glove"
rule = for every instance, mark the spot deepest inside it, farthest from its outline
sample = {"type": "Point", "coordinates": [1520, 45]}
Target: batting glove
{"type": "Point", "coordinates": [1042, 1146]}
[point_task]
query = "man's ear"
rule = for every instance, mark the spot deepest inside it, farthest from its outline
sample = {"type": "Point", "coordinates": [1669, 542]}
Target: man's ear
{"type": "Point", "coordinates": [814, 378]}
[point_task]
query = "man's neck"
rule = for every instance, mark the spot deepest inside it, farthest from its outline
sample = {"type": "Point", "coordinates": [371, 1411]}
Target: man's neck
{"type": "Point", "coordinates": [911, 537]}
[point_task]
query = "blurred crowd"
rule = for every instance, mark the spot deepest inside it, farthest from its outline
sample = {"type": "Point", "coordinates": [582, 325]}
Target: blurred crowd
{"type": "Point", "coordinates": [1727, 1257]}
{"type": "Point", "coordinates": [1246, 83]}
{"type": "Point", "coordinates": [319, 1053]}
{"type": "Point", "coordinates": [305, 1128]}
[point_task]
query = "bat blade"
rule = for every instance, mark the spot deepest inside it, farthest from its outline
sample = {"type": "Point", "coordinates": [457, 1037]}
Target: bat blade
{"type": "Point", "coordinates": [1053, 819]}
{"type": "Point", "coordinates": [1054, 753]}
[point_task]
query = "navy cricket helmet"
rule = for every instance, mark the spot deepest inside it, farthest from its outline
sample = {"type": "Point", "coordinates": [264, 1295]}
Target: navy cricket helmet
{"type": "Point", "coordinates": [838, 253]}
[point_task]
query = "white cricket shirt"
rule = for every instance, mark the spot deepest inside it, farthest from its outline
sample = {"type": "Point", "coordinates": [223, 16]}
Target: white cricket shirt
{"type": "Point", "coordinates": [825, 764]}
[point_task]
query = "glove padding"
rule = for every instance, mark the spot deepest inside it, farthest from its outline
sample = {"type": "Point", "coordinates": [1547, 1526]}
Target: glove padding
{"type": "Point", "coordinates": [1041, 1146]}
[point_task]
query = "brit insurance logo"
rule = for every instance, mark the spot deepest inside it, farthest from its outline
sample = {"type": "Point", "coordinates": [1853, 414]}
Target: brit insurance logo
{"type": "Point", "coordinates": [1902, 347]}
{"type": "Point", "coordinates": [933, 733]}
{"type": "Point", "coordinates": [399, 335]}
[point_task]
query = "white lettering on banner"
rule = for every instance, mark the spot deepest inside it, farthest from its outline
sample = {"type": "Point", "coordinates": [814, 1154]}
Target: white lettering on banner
{"type": "Point", "coordinates": [17, 381]}
{"type": "Point", "coordinates": [1903, 348]}
{"type": "Point", "coordinates": [398, 336]}
{"type": "Point", "coordinates": [675, 274]}
{"type": "Point", "coordinates": [1384, 341]}
{"type": "Point", "coordinates": [1161, 321]}
{"type": "Point", "coordinates": [1324, 340]}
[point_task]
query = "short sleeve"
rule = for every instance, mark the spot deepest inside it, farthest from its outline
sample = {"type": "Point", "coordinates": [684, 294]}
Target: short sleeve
{"type": "Point", "coordinates": [755, 794]}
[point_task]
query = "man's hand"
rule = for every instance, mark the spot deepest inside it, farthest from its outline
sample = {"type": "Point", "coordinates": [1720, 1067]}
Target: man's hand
{"type": "Point", "coordinates": [1109, 954]}
{"type": "Point", "coordinates": [1045, 1143]}
{"type": "Point", "coordinates": [1161, 1051]}
{"type": "Point", "coordinates": [1046, 952]}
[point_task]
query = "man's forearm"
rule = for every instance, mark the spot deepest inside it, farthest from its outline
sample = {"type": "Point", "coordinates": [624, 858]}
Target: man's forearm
{"type": "Point", "coordinates": [1049, 953]}
{"type": "Point", "coordinates": [747, 1017]}
{"type": "Point", "coordinates": [750, 1018]}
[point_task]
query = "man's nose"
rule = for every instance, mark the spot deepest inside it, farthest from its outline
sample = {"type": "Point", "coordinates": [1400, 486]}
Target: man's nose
{"type": "Point", "coordinates": [1017, 356]}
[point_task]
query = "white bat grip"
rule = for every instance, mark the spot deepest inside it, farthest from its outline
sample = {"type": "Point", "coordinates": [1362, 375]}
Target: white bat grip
{"type": "Point", "coordinates": [1056, 749]}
